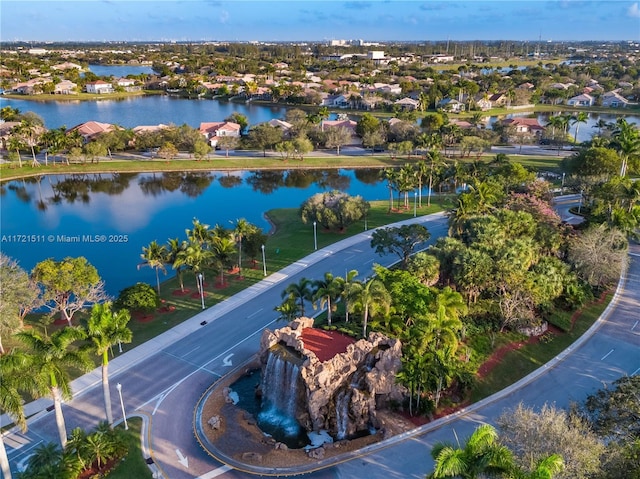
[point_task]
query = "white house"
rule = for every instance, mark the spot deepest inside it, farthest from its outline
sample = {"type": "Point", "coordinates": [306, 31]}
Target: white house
{"type": "Point", "coordinates": [613, 99]}
{"type": "Point", "coordinates": [65, 87]}
{"type": "Point", "coordinates": [407, 103]}
{"type": "Point", "coordinates": [581, 100]}
{"type": "Point", "coordinates": [451, 105]}
{"type": "Point", "coordinates": [99, 86]}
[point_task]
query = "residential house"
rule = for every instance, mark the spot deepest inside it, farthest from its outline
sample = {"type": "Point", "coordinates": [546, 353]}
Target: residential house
{"type": "Point", "coordinates": [340, 100]}
{"type": "Point", "coordinates": [484, 103]}
{"type": "Point", "coordinates": [451, 105]}
{"type": "Point", "coordinates": [348, 124]}
{"type": "Point", "coordinates": [5, 132]}
{"type": "Point", "coordinates": [30, 87]}
{"type": "Point", "coordinates": [90, 130]}
{"type": "Point", "coordinates": [581, 100]}
{"type": "Point", "coordinates": [498, 99]}
{"type": "Point", "coordinates": [141, 129]}
{"type": "Point", "coordinates": [462, 124]}
{"type": "Point", "coordinates": [65, 87]}
{"type": "Point", "coordinates": [66, 66]}
{"type": "Point", "coordinates": [526, 86]}
{"type": "Point", "coordinates": [99, 87]}
{"type": "Point", "coordinates": [407, 103]}
{"type": "Point", "coordinates": [216, 129]}
{"type": "Point", "coordinates": [527, 126]}
{"type": "Point", "coordinates": [613, 99]}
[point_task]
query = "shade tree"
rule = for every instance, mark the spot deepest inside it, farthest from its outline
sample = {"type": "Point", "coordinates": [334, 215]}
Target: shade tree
{"type": "Point", "coordinates": [399, 240]}
{"type": "Point", "coordinates": [333, 210]}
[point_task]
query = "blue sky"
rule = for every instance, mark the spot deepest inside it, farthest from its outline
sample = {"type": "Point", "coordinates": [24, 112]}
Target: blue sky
{"type": "Point", "coordinates": [295, 20]}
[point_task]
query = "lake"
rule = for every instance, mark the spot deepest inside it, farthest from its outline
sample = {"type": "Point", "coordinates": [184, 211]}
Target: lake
{"type": "Point", "coordinates": [131, 210]}
{"type": "Point", "coordinates": [142, 110]}
{"type": "Point", "coordinates": [119, 71]}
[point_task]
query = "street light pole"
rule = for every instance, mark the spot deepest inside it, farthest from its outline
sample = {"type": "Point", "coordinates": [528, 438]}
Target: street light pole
{"type": "Point", "coordinates": [264, 262]}
{"type": "Point", "coordinates": [124, 414]}
{"type": "Point", "coordinates": [315, 237]}
{"type": "Point", "coordinates": [365, 221]}
{"type": "Point", "coordinates": [415, 204]}
{"type": "Point", "coordinates": [201, 283]}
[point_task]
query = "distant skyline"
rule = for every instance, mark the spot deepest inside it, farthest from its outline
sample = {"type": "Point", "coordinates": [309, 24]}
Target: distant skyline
{"type": "Point", "coordinates": [310, 20]}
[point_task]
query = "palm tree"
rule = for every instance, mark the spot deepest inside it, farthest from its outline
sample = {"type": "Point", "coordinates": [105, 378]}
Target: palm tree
{"type": "Point", "coordinates": [242, 229]}
{"type": "Point", "coordinates": [326, 291]}
{"type": "Point", "coordinates": [545, 468]}
{"type": "Point", "coordinates": [626, 141]}
{"type": "Point", "coordinates": [15, 378]}
{"type": "Point", "coordinates": [222, 249]}
{"type": "Point", "coordinates": [301, 291]}
{"type": "Point", "coordinates": [106, 328]}
{"type": "Point", "coordinates": [29, 133]}
{"type": "Point", "coordinates": [51, 358]}
{"type": "Point", "coordinates": [370, 297]}
{"type": "Point", "coordinates": [155, 256]}
{"type": "Point", "coordinates": [391, 176]}
{"type": "Point", "coordinates": [199, 234]}
{"type": "Point", "coordinates": [196, 258]}
{"type": "Point", "coordinates": [289, 309]}
{"type": "Point", "coordinates": [581, 117]}
{"type": "Point", "coordinates": [481, 456]}
{"type": "Point", "coordinates": [174, 258]}
{"type": "Point", "coordinates": [345, 286]}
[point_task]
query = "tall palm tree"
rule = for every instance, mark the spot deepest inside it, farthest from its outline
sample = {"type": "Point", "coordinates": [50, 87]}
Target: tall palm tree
{"type": "Point", "coordinates": [222, 248]}
{"type": "Point", "coordinates": [106, 328]}
{"type": "Point", "coordinates": [242, 229]}
{"type": "Point", "coordinates": [345, 286]}
{"type": "Point", "coordinates": [391, 176]}
{"type": "Point", "coordinates": [15, 378]}
{"type": "Point", "coordinates": [51, 357]}
{"type": "Point", "coordinates": [481, 456]}
{"type": "Point", "coordinates": [29, 133]}
{"type": "Point", "coordinates": [196, 258]}
{"type": "Point", "coordinates": [155, 256]}
{"type": "Point", "coordinates": [626, 141]}
{"type": "Point", "coordinates": [371, 297]}
{"type": "Point", "coordinates": [326, 291]}
{"type": "Point", "coordinates": [581, 117]}
{"type": "Point", "coordinates": [200, 233]}
{"type": "Point", "coordinates": [174, 258]}
{"type": "Point", "coordinates": [301, 291]}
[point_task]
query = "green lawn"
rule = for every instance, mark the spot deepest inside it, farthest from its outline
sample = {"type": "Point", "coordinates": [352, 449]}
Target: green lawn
{"type": "Point", "coordinates": [133, 465]}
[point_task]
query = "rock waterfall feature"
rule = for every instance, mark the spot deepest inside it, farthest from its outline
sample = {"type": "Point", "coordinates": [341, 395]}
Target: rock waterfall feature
{"type": "Point", "coordinates": [338, 394]}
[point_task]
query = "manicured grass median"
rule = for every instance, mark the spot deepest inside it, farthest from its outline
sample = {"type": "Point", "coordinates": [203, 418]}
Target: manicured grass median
{"type": "Point", "coordinates": [133, 465]}
{"type": "Point", "coordinates": [518, 363]}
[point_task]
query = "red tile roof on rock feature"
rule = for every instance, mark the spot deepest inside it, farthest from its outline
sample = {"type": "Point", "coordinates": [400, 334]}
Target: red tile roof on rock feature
{"type": "Point", "coordinates": [325, 344]}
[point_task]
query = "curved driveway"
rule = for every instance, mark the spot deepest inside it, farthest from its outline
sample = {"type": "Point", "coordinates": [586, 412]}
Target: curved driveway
{"type": "Point", "coordinates": [165, 377]}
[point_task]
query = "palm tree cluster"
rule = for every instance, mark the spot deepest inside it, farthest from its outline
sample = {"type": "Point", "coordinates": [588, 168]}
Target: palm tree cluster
{"type": "Point", "coordinates": [42, 370]}
{"type": "Point", "coordinates": [83, 452]}
{"type": "Point", "coordinates": [204, 248]}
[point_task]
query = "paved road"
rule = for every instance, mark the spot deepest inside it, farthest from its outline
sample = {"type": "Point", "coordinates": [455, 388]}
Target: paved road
{"type": "Point", "coordinates": [179, 366]}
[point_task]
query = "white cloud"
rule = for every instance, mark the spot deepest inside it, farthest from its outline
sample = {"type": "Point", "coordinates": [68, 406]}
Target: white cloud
{"type": "Point", "coordinates": [634, 11]}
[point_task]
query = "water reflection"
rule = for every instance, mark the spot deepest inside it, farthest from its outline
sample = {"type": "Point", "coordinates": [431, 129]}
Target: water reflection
{"type": "Point", "coordinates": [152, 206]}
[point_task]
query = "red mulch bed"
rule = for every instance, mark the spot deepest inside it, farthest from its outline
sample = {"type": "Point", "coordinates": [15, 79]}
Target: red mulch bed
{"type": "Point", "coordinates": [142, 317]}
{"type": "Point", "coordinates": [166, 309]}
{"type": "Point", "coordinates": [196, 295]}
{"type": "Point", "coordinates": [179, 292]}
{"type": "Point", "coordinates": [94, 471]}
{"type": "Point", "coordinates": [220, 285]}
{"type": "Point", "coordinates": [325, 344]}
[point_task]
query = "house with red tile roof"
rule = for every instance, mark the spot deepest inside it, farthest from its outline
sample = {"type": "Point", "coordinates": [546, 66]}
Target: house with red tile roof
{"type": "Point", "coordinates": [215, 129]}
{"type": "Point", "coordinates": [528, 126]}
{"type": "Point", "coordinates": [90, 130]}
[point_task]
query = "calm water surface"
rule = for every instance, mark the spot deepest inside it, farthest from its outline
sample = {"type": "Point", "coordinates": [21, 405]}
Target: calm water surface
{"type": "Point", "coordinates": [147, 207]}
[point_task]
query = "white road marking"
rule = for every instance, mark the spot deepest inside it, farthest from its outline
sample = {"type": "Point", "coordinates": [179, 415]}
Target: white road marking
{"type": "Point", "coordinates": [349, 258]}
{"type": "Point", "coordinates": [370, 261]}
{"type": "Point", "coordinates": [189, 352]}
{"type": "Point", "coordinates": [606, 355]}
{"type": "Point", "coordinates": [635, 372]}
{"type": "Point", "coordinates": [634, 326]}
{"type": "Point", "coordinates": [634, 254]}
{"type": "Point", "coordinates": [227, 360]}
{"type": "Point", "coordinates": [215, 473]}
{"type": "Point", "coordinates": [254, 313]}
{"type": "Point", "coordinates": [182, 459]}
